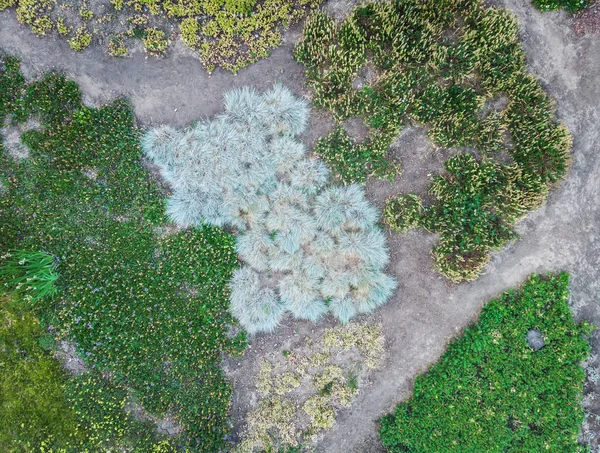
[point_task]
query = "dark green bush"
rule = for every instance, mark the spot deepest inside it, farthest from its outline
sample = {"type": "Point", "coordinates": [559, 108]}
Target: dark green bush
{"type": "Point", "coordinates": [148, 307]}
{"type": "Point", "coordinates": [458, 69]}
{"type": "Point", "coordinates": [491, 392]}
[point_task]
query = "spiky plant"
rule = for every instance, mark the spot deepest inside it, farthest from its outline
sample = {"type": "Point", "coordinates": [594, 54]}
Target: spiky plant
{"type": "Point", "coordinates": [299, 293]}
{"type": "Point", "coordinates": [158, 145]}
{"type": "Point", "coordinates": [256, 307]}
{"type": "Point", "coordinates": [246, 170]}
{"type": "Point", "coordinates": [285, 113]}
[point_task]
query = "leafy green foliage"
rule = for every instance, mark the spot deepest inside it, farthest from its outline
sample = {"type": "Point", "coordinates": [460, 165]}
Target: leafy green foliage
{"type": "Point", "coordinates": [29, 274]}
{"type": "Point", "coordinates": [491, 392]}
{"type": "Point", "coordinates": [355, 163]}
{"type": "Point", "coordinates": [148, 307]}
{"type": "Point", "coordinates": [569, 5]}
{"type": "Point", "coordinates": [458, 69]}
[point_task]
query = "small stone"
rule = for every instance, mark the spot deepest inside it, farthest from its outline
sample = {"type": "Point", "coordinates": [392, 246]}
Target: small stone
{"type": "Point", "coordinates": [535, 339]}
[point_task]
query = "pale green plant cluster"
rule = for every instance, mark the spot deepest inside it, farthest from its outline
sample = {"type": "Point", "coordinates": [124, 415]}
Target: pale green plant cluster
{"type": "Point", "coordinates": [301, 393]}
{"type": "Point", "coordinates": [230, 34]}
{"type": "Point", "coordinates": [308, 248]}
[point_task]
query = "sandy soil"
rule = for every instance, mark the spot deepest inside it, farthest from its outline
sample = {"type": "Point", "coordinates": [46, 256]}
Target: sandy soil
{"type": "Point", "coordinates": [427, 311]}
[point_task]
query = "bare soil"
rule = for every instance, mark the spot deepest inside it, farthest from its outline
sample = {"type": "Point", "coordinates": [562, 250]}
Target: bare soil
{"type": "Point", "coordinates": [427, 311]}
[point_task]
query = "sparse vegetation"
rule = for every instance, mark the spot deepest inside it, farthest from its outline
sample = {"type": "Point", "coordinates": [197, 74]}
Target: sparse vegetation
{"type": "Point", "coordinates": [457, 68]}
{"type": "Point", "coordinates": [147, 308]}
{"type": "Point", "coordinates": [491, 391]}
{"type": "Point", "coordinates": [307, 248]}
{"type": "Point", "coordinates": [301, 394]}
{"type": "Point", "coordinates": [225, 33]}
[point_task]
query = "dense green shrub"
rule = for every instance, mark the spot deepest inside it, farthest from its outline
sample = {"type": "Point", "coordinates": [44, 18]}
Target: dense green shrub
{"type": "Point", "coordinates": [309, 248]}
{"type": "Point", "coordinates": [148, 307]}
{"type": "Point", "coordinates": [458, 69]}
{"type": "Point", "coordinates": [492, 392]}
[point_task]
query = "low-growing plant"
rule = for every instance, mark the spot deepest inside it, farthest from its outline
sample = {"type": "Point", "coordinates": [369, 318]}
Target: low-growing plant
{"type": "Point", "coordinates": [302, 393]}
{"type": "Point", "coordinates": [569, 5]}
{"type": "Point", "coordinates": [491, 391]}
{"type": "Point", "coordinates": [147, 308]}
{"type": "Point", "coordinates": [81, 39]}
{"type": "Point", "coordinates": [307, 248]}
{"type": "Point", "coordinates": [458, 69]}
{"type": "Point", "coordinates": [403, 212]}
{"type": "Point", "coordinates": [230, 34]}
{"type": "Point", "coordinates": [155, 41]}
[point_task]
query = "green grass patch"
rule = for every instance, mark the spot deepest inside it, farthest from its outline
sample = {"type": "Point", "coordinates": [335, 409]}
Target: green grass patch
{"type": "Point", "coordinates": [458, 69]}
{"type": "Point", "coordinates": [491, 392]}
{"type": "Point", "coordinates": [149, 309]}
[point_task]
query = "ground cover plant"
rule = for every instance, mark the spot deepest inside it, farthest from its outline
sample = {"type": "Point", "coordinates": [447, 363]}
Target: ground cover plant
{"type": "Point", "coordinates": [301, 391]}
{"type": "Point", "coordinates": [230, 34]}
{"type": "Point", "coordinates": [569, 5]}
{"type": "Point", "coordinates": [42, 408]}
{"type": "Point", "coordinates": [457, 69]}
{"type": "Point", "coordinates": [306, 247]}
{"type": "Point", "coordinates": [491, 391]}
{"type": "Point", "coordinates": [147, 308]}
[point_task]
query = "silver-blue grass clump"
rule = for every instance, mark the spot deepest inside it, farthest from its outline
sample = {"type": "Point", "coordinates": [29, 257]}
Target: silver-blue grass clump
{"type": "Point", "coordinates": [307, 247]}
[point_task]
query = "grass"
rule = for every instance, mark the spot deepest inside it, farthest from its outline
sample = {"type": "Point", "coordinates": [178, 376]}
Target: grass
{"type": "Point", "coordinates": [491, 392]}
{"type": "Point", "coordinates": [30, 274]}
{"type": "Point", "coordinates": [149, 309]}
{"type": "Point", "coordinates": [458, 69]}
{"type": "Point", "coordinates": [302, 241]}
{"type": "Point", "coordinates": [230, 34]}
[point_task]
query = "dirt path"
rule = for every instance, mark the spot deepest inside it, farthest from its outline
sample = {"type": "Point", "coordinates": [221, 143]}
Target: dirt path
{"type": "Point", "coordinates": [427, 311]}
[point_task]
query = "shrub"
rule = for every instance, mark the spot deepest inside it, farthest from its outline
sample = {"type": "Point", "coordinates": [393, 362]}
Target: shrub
{"type": "Point", "coordinates": [321, 241]}
{"type": "Point", "coordinates": [444, 66]}
{"type": "Point", "coordinates": [490, 391]}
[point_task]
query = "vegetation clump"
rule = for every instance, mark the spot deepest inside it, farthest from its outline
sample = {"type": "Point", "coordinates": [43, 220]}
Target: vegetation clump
{"type": "Point", "coordinates": [491, 391]}
{"type": "Point", "coordinates": [307, 248]}
{"type": "Point", "coordinates": [458, 69]}
{"type": "Point", "coordinates": [230, 34]}
{"type": "Point", "coordinates": [553, 5]}
{"type": "Point", "coordinates": [147, 308]}
{"type": "Point", "coordinates": [302, 393]}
